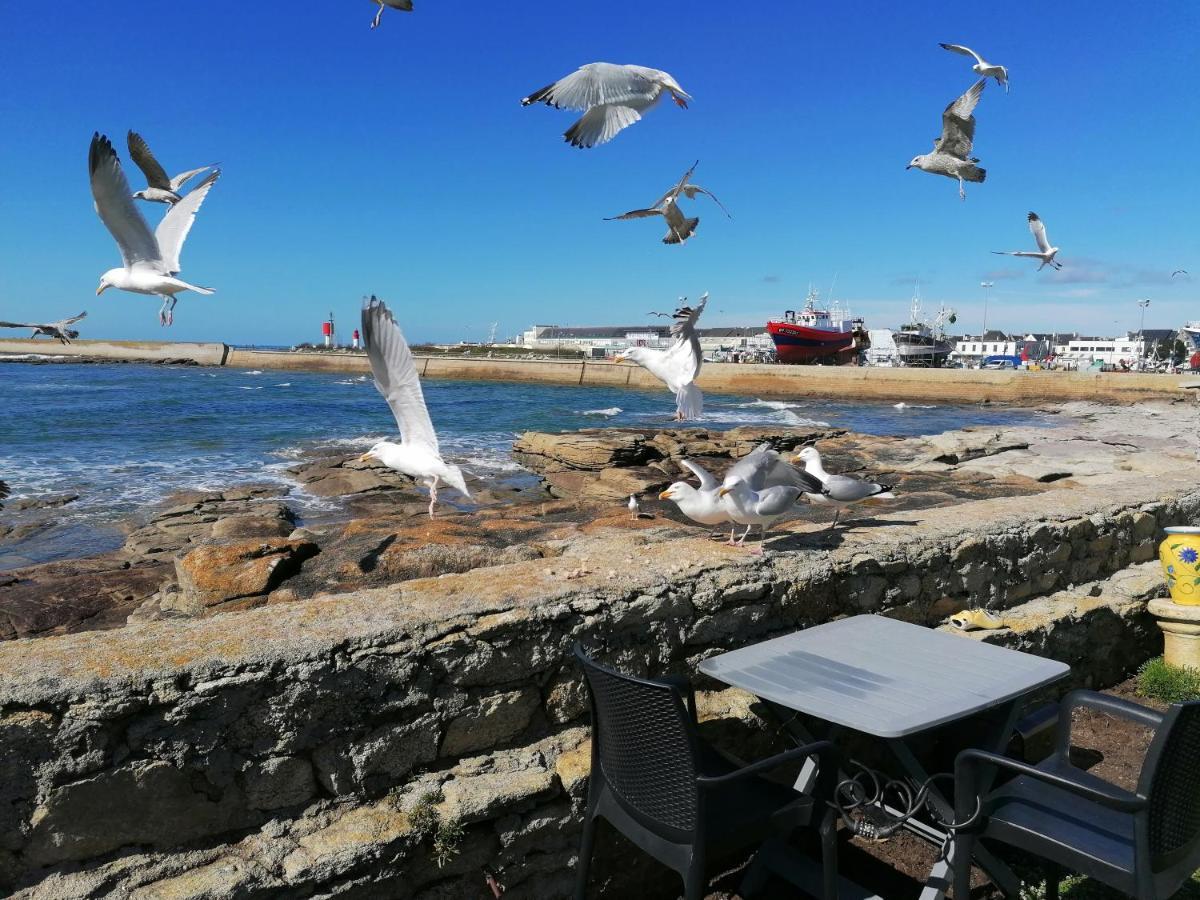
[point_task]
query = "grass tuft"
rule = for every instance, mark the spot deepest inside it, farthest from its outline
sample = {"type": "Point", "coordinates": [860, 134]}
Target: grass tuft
{"type": "Point", "coordinates": [1170, 684]}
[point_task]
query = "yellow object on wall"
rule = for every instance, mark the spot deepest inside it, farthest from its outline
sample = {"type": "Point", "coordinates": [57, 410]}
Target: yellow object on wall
{"type": "Point", "coordinates": [1180, 556]}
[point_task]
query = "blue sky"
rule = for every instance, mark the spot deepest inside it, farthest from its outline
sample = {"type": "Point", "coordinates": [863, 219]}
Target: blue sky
{"type": "Point", "coordinates": [400, 162]}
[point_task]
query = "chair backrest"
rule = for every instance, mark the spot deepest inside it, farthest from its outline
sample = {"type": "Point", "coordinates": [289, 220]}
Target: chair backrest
{"type": "Point", "coordinates": [1171, 780]}
{"type": "Point", "coordinates": [643, 741]}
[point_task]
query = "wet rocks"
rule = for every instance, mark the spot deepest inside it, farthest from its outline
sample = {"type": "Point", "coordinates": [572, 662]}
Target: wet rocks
{"type": "Point", "coordinates": [189, 517]}
{"type": "Point", "coordinates": [339, 476]}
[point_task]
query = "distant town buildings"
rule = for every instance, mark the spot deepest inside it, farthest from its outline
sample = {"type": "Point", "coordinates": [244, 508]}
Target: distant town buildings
{"type": "Point", "coordinates": [607, 340]}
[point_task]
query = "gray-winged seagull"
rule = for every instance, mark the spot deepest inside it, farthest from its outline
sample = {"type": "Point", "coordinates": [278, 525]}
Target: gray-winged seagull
{"type": "Point", "coordinates": [58, 330]}
{"type": "Point", "coordinates": [679, 228]}
{"type": "Point", "coordinates": [402, 5]}
{"type": "Point", "coordinates": [160, 188]}
{"type": "Point", "coordinates": [679, 365]}
{"type": "Point", "coordinates": [841, 490]}
{"type": "Point", "coordinates": [1045, 253]}
{"type": "Point", "coordinates": [982, 66]}
{"type": "Point", "coordinates": [951, 152]}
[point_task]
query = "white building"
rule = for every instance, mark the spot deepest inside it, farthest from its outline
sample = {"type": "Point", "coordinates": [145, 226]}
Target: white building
{"type": "Point", "coordinates": [1081, 352]}
{"type": "Point", "coordinates": [613, 339]}
{"type": "Point", "coordinates": [972, 350]}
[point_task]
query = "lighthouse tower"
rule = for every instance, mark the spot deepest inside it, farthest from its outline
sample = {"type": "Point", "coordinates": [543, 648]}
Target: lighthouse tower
{"type": "Point", "coordinates": [328, 331]}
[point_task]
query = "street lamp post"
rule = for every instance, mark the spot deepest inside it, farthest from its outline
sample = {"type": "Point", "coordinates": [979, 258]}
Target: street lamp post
{"type": "Point", "coordinates": [986, 285]}
{"type": "Point", "coordinates": [1142, 333]}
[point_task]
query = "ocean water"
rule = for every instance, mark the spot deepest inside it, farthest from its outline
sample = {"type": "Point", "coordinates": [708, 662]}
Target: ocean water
{"type": "Point", "coordinates": [123, 437]}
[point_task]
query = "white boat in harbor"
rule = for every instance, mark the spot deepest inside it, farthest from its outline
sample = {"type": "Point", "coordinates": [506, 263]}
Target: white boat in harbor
{"type": "Point", "coordinates": [920, 342]}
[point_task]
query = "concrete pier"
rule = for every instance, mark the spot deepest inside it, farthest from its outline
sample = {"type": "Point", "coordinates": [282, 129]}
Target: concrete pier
{"type": "Point", "coordinates": [914, 385]}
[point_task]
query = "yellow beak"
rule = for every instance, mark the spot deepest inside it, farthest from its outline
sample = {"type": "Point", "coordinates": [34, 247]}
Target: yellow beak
{"type": "Point", "coordinates": [723, 491]}
{"type": "Point", "coordinates": [665, 495]}
{"type": "Point", "coordinates": [365, 456]}
{"type": "Point", "coordinates": [100, 290]}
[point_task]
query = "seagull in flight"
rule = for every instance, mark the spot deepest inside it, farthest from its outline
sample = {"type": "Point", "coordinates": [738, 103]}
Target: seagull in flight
{"type": "Point", "coordinates": [59, 329]}
{"type": "Point", "coordinates": [417, 455]}
{"type": "Point", "coordinates": [1179, 272]}
{"type": "Point", "coordinates": [679, 365]}
{"type": "Point", "coordinates": [951, 152]}
{"type": "Point", "coordinates": [982, 67]}
{"type": "Point", "coordinates": [679, 228]}
{"type": "Point", "coordinates": [1045, 253]}
{"type": "Point", "coordinates": [612, 98]}
{"type": "Point", "coordinates": [841, 490]}
{"type": "Point", "coordinates": [151, 259]}
{"type": "Point", "coordinates": [403, 5]}
{"type": "Point", "coordinates": [160, 188]}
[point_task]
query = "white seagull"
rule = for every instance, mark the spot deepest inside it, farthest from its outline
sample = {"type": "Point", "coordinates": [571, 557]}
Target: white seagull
{"type": "Point", "coordinates": [402, 5]}
{"type": "Point", "coordinates": [634, 509]}
{"type": "Point", "coordinates": [761, 488]}
{"type": "Point", "coordinates": [951, 152]}
{"type": "Point", "coordinates": [841, 490]}
{"type": "Point", "coordinates": [417, 455]}
{"type": "Point", "coordinates": [613, 97]}
{"type": "Point", "coordinates": [679, 228]}
{"type": "Point", "coordinates": [701, 504]}
{"type": "Point", "coordinates": [160, 188]}
{"type": "Point", "coordinates": [679, 365]}
{"type": "Point", "coordinates": [59, 329]}
{"type": "Point", "coordinates": [1045, 253]}
{"type": "Point", "coordinates": [151, 259]}
{"type": "Point", "coordinates": [982, 66]}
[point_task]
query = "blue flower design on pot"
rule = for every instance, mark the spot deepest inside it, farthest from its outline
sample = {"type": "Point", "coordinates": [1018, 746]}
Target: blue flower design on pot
{"type": "Point", "coordinates": [1188, 555]}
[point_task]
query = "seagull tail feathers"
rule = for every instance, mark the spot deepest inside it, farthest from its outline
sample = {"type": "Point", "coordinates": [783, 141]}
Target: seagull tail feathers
{"type": "Point", "coordinates": [689, 401]}
{"type": "Point", "coordinates": [454, 477]}
{"type": "Point", "coordinates": [201, 290]}
{"type": "Point", "coordinates": [975, 174]}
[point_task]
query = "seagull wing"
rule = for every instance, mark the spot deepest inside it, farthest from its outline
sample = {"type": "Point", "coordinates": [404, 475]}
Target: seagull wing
{"type": "Point", "coordinates": [596, 84]}
{"type": "Point", "coordinates": [965, 51]}
{"type": "Point", "coordinates": [691, 190]}
{"type": "Point", "coordinates": [72, 320]}
{"type": "Point", "coordinates": [115, 206]}
{"type": "Point", "coordinates": [635, 214]}
{"type": "Point", "coordinates": [1029, 253]}
{"type": "Point", "coordinates": [20, 325]}
{"type": "Point", "coordinates": [139, 152]}
{"type": "Point", "coordinates": [708, 481]}
{"type": "Point", "coordinates": [685, 355]}
{"type": "Point", "coordinates": [776, 501]}
{"type": "Point", "coordinates": [958, 123]}
{"type": "Point", "coordinates": [845, 489]}
{"type": "Point", "coordinates": [184, 177]}
{"type": "Point", "coordinates": [396, 376]}
{"type": "Point", "coordinates": [1038, 227]}
{"type": "Point", "coordinates": [173, 230]}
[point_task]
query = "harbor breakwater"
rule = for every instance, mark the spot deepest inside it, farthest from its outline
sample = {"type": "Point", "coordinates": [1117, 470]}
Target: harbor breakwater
{"type": "Point", "coordinates": [918, 385]}
{"type": "Point", "coordinates": [408, 739]}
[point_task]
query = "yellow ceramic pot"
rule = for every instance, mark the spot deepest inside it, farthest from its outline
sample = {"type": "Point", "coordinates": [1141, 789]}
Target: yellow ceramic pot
{"type": "Point", "coordinates": [1180, 555]}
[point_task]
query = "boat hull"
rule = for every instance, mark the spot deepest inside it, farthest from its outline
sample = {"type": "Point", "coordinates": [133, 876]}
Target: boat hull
{"type": "Point", "coordinates": [800, 345]}
{"type": "Point", "coordinates": [921, 350]}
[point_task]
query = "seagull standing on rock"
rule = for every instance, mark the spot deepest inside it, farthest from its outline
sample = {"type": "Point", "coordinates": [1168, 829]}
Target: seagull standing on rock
{"type": "Point", "coordinates": [159, 188]}
{"type": "Point", "coordinates": [679, 365]}
{"type": "Point", "coordinates": [701, 504]}
{"type": "Point", "coordinates": [951, 152]}
{"type": "Point", "coordinates": [417, 455]}
{"type": "Point", "coordinates": [982, 67]}
{"type": "Point", "coordinates": [634, 509]}
{"type": "Point", "coordinates": [762, 488]}
{"type": "Point", "coordinates": [841, 490]}
{"type": "Point", "coordinates": [612, 97]}
{"type": "Point", "coordinates": [1045, 253]}
{"type": "Point", "coordinates": [151, 259]}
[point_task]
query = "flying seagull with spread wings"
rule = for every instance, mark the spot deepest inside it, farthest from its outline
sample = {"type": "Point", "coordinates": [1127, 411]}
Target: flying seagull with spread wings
{"type": "Point", "coordinates": [679, 228]}
{"type": "Point", "coordinates": [151, 258]}
{"type": "Point", "coordinates": [402, 5]}
{"type": "Point", "coordinates": [982, 67]}
{"type": "Point", "coordinates": [951, 152]}
{"type": "Point", "coordinates": [417, 455]}
{"type": "Point", "coordinates": [59, 329]}
{"type": "Point", "coordinates": [159, 188]}
{"type": "Point", "coordinates": [612, 98]}
{"type": "Point", "coordinates": [679, 365]}
{"type": "Point", "coordinates": [1045, 252]}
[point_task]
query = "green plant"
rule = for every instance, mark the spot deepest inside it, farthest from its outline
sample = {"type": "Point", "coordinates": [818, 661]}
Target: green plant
{"type": "Point", "coordinates": [447, 842]}
{"type": "Point", "coordinates": [1170, 684]}
{"type": "Point", "coordinates": [424, 817]}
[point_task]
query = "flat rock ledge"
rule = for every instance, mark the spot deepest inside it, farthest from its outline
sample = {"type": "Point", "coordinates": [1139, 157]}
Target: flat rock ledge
{"type": "Point", "coordinates": [396, 740]}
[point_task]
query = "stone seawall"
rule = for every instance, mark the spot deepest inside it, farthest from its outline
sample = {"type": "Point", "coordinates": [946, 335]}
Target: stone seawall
{"type": "Point", "coordinates": [397, 741]}
{"type": "Point", "coordinates": [920, 385]}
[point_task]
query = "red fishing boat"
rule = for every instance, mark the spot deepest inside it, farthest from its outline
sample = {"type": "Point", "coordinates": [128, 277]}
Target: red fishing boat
{"type": "Point", "coordinates": [815, 335]}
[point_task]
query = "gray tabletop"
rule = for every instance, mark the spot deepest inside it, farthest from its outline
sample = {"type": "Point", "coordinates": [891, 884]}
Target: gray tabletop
{"type": "Point", "coordinates": [882, 676]}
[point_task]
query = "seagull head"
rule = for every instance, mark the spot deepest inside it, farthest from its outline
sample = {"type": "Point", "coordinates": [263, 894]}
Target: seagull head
{"type": "Point", "coordinates": [140, 195]}
{"type": "Point", "coordinates": [107, 280]}
{"type": "Point", "coordinates": [916, 163]}
{"type": "Point", "coordinates": [629, 353]}
{"type": "Point", "coordinates": [807, 456]}
{"type": "Point", "coordinates": [678, 94]}
{"type": "Point", "coordinates": [676, 491]}
{"type": "Point", "coordinates": [730, 485]}
{"type": "Point", "coordinates": [375, 451]}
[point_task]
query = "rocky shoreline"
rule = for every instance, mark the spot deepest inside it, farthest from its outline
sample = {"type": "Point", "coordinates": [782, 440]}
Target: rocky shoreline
{"type": "Point", "coordinates": [250, 703]}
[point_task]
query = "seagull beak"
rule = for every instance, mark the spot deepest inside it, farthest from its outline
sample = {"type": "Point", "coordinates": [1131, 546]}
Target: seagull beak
{"type": "Point", "coordinates": [906, 168]}
{"type": "Point", "coordinates": [620, 357]}
{"type": "Point", "coordinates": [723, 491]}
{"type": "Point", "coordinates": [365, 456]}
{"type": "Point", "coordinates": [665, 495]}
{"type": "Point", "coordinates": [100, 290]}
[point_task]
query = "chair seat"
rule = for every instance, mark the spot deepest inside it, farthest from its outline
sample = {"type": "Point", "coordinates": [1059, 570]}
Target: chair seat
{"type": "Point", "coordinates": [1076, 833]}
{"type": "Point", "coordinates": [748, 810]}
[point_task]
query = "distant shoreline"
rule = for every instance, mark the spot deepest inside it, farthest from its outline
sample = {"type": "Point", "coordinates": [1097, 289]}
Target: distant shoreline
{"type": "Point", "coordinates": [842, 382]}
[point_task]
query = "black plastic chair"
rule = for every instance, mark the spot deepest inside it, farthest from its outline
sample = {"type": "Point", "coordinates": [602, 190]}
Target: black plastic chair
{"type": "Point", "coordinates": [674, 796]}
{"type": "Point", "coordinates": [1144, 843]}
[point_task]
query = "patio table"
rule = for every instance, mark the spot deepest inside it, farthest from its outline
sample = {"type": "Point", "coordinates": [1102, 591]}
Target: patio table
{"type": "Point", "coordinates": [893, 681]}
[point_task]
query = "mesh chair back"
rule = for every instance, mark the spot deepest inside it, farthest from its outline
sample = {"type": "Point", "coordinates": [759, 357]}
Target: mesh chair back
{"type": "Point", "coordinates": [645, 749]}
{"type": "Point", "coordinates": [1174, 784]}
